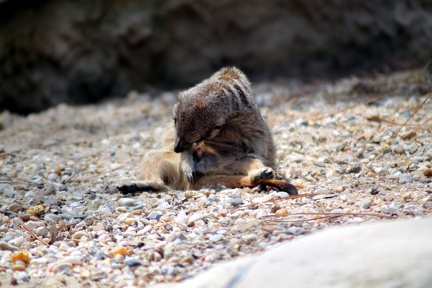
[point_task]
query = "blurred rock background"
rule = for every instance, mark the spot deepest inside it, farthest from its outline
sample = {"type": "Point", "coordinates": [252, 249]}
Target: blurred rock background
{"type": "Point", "coordinates": [60, 51]}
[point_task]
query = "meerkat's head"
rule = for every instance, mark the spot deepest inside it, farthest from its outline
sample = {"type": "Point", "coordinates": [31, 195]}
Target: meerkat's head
{"type": "Point", "coordinates": [198, 117]}
{"type": "Point", "coordinates": [203, 110]}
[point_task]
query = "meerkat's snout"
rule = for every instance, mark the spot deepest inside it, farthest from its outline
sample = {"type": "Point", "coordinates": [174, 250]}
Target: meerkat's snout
{"type": "Point", "coordinates": [180, 145]}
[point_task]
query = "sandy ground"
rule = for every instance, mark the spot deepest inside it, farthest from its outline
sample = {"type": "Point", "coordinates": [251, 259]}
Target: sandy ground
{"type": "Point", "coordinates": [342, 144]}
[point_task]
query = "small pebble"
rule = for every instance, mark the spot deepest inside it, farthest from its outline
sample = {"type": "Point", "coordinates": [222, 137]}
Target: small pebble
{"type": "Point", "coordinates": [105, 211]}
{"type": "Point", "coordinates": [370, 174]}
{"type": "Point", "coordinates": [121, 251]}
{"type": "Point", "coordinates": [130, 221]}
{"type": "Point", "coordinates": [337, 211]}
{"type": "Point", "coordinates": [295, 230]}
{"type": "Point", "coordinates": [119, 258]}
{"type": "Point", "coordinates": [427, 172]}
{"type": "Point", "coordinates": [7, 247]}
{"type": "Point", "coordinates": [354, 169]}
{"type": "Point", "coordinates": [154, 215]}
{"type": "Point", "coordinates": [374, 191]}
{"type": "Point", "coordinates": [216, 238]}
{"type": "Point", "coordinates": [281, 194]}
{"type": "Point", "coordinates": [399, 149]}
{"type": "Point", "coordinates": [121, 209]}
{"type": "Point", "coordinates": [18, 267]}
{"type": "Point", "coordinates": [249, 238]}
{"type": "Point", "coordinates": [394, 206]}
{"type": "Point", "coordinates": [165, 218]}
{"type": "Point", "coordinates": [51, 218]}
{"type": "Point", "coordinates": [80, 234]}
{"type": "Point", "coordinates": [187, 259]}
{"type": "Point", "coordinates": [127, 202]}
{"type": "Point", "coordinates": [407, 197]}
{"type": "Point", "coordinates": [100, 256]}
{"type": "Point", "coordinates": [15, 207]}
{"type": "Point", "coordinates": [115, 166]}
{"type": "Point", "coordinates": [53, 177]}
{"type": "Point", "coordinates": [281, 212]}
{"type": "Point", "coordinates": [339, 189]}
{"type": "Point", "coordinates": [41, 231]}
{"type": "Point", "coordinates": [366, 204]}
{"type": "Point", "coordinates": [51, 190]}
{"type": "Point", "coordinates": [62, 266]}
{"type": "Point", "coordinates": [385, 148]}
{"type": "Point", "coordinates": [132, 261]}
{"type": "Point", "coordinates": [406, 178]}
{"type": "Point", "coordinates": [22, 276]}
{"type": "Point", "coordinates": [236, 202]}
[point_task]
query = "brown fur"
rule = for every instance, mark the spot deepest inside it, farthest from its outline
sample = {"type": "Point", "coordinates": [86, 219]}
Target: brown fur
{"type": "Point", "coordinates": [162, 170]}
{"type": "Point", "coordinates": [221, 138]}
{"type": "Point", "coordinates": [230, 123]}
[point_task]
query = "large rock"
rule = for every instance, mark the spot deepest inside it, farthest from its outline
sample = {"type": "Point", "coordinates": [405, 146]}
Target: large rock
{"type": "Point", "coordinates": [393, 254]}
{"type": "Point", "coordinates": [81, 51]}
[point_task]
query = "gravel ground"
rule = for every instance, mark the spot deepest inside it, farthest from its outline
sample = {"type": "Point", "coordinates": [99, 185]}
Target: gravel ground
{"type": "Point", "coordinates": [63, 223]}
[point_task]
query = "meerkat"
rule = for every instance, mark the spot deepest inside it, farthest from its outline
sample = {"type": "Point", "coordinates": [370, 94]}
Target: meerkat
{"type": "Point", "coordinates": [222, 112]}
{"type": "Point", "coordinates": [220, 138]}
{"type": "Point", "coordinates": [162, 170]}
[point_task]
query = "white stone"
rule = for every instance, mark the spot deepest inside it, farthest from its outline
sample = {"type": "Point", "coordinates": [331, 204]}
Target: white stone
{"type": "Point", "coordinates": [367, 255]}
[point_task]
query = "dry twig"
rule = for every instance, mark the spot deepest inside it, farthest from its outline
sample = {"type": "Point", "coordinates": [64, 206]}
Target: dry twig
{"type": "Point", "coordinates": [326, 215]}
{"type": "Point", "coordinates": [15, 180]}
{"type": "Point", "coordinates": [412, 115]}
{"type": "Point", "coordinates": [379, 119]}
{"type": "Point", "coordinates": [31, 232]}
{"type": "Point", "coordinates": [53, 232]}
{"type": "Point", "coordinates": [74, 175]}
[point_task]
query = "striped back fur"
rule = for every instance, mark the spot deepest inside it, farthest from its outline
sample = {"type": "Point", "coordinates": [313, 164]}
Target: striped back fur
{"type": "Point", "coordinates": [222, 112]}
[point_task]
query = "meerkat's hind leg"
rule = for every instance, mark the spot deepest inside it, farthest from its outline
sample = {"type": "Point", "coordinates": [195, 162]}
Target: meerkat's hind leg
{"type": "Point", "coordinates": [266, 176]}
{"type": "Point", "coordinates": [142, 186]}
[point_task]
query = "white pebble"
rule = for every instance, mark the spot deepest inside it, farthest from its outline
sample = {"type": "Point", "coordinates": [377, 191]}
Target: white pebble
{"type": "Point", "coordinates": [115, 166]}
{"type": "Point", "coordinates": [53, 177]}
{"type": "Point", "coordinates": [216, 238]}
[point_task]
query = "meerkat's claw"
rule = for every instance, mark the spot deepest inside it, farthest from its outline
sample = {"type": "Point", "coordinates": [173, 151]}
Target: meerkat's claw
{"type": "Point", "coordinates": [264, 173]}
{"type": "Point", "coordinates": [267, 173]}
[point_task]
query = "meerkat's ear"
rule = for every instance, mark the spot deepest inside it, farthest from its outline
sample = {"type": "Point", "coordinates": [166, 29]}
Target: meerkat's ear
{"type": "Point", "coordinates": [181, 95]}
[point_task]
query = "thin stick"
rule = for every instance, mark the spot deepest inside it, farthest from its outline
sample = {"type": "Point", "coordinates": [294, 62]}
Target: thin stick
{"type": "Point", "coordinates": [338, 214]}
{"type": "Point", "coordinates": [2, 155]}
{"type": "Point", "coordinates": [31, 232]}
{"type": "Point", "coordinates": [302, 220]}
{"type": "Point", "coordinates": [75, 174]}
{"type": "Point", "coordinates": [53, 232]}
{"type": "Point", "coordinates": [15, 180]}
{"type": "Point", "coordinates": [412, 115]}
{"type": "Point", "coordinates": [380, 119]}
{"type": "Point", "coordinates": [273, 199]}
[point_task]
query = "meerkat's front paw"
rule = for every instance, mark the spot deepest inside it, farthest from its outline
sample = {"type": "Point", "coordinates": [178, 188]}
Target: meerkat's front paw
{"type": "Point", "coordinates": [264, 173]}
{"type": "Point", "coordinates": [190, 176]}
